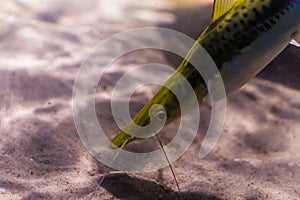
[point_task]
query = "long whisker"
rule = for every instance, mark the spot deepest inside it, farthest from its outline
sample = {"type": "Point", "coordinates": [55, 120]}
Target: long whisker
{"type": "Point", "coordinates": [170, 165]}
{"type": "Point", "coordinates": [108, 170]}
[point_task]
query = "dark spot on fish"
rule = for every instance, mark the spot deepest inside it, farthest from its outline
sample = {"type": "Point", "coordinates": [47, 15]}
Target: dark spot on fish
{"type": "Point", "coordinates": [242, 22]}
{"type": "Point", "coordinates": [228, 29]}
{"type": "Point", "coordinates": [235, 14]}
{"type": "Point", "coordinates": [252, 23]}
{"type": "Point", "coordinates": [235, 25]}
{"type": "Point", "coordinates": [254, 10]}
{"type": "Point", "coordinates": [245, 29]}
{"type": "Point", "coordinates": [267, 25]}
{"type": "Point", "coordinates": [254, 32]}
{"type": "Point", "coordinates": [261, 29]}
{"type": "Point", "coordinates": [257, 14]}
{"type": "Point", "coordinates": [272, 21]}
{"type": "Point", "coordinates": [277, 16]}
{"type": "Point", "coordinates": [245, 15]}
{"type": "Point", "coordinates": [224, 37]}
{"type": "Point", "coordinates": [244, 7]}
{"type": "Point", "coordinates": [239, 34]}
{"type": "Point", "coordinates": [220, 27]}
{"type": "Point", "coordinates": [265, 8]}
{"type": "Point", "coordinates": [228, 20]}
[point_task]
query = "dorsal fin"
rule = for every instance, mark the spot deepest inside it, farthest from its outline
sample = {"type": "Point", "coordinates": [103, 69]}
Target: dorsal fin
{"type": "Point", "coordinates": [221, 7]}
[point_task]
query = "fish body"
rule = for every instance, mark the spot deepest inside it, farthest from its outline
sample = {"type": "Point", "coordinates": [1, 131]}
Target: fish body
{"type": "Point", "coordinates": [243, 38]}
{"type": "Point", "coordinates": [251, 34]}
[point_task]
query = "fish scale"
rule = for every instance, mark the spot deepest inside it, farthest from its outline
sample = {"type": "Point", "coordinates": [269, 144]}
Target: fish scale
{"type": "Point", "coordinates": [229, 35]}
{"type": "Point", "coordinates": [242, 39]}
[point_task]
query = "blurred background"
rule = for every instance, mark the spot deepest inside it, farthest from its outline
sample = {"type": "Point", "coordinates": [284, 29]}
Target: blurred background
{"type": "Point", "coordinates": [43, 44]}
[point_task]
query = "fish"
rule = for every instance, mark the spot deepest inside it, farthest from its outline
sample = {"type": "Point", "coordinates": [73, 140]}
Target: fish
{"type": "Point", "coordinates": [243, 37]}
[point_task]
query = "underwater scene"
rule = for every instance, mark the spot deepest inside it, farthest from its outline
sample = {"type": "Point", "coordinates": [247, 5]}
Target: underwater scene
{"type": "Point", "coordinates": [162, 99]}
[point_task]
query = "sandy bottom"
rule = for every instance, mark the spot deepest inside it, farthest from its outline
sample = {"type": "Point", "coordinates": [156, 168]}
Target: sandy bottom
{"type": "Point", "coordinates": [41, 156]}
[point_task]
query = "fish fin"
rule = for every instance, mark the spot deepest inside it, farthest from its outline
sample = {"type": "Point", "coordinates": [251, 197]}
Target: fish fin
{"type": "Point", "coordinates": [221, 7]}
{"type": "Point", "coordinates": [295, 43]}
{"type": "Point", "coordinates": [296, 39]}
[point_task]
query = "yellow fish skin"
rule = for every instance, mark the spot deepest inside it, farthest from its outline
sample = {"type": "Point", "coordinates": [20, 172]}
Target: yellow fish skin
{"type": "Point", "coordinates": [243, 38]}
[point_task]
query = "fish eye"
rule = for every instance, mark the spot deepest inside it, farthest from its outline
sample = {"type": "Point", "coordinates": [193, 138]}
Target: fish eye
{"type": "Point", "coordinates": [161, 115]}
